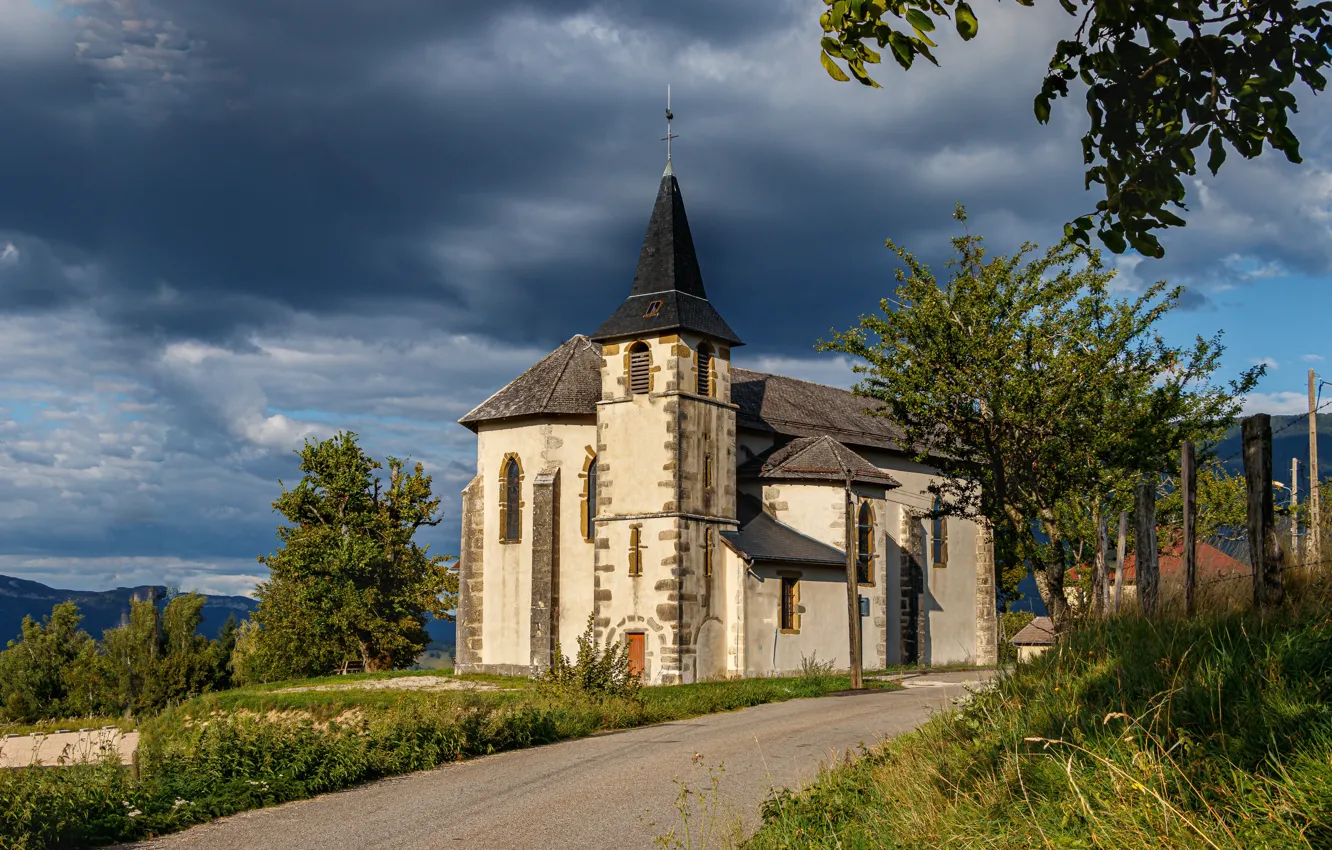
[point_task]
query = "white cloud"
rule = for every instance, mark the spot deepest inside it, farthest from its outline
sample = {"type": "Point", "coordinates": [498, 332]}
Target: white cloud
{"type": "Point", "coordinates": [1282, 403]}
{"type": "Point", "coordinates": [831, 370]}
{"type": "Point", "coordinates": [1312, 358]}
{"type": "Point", "coordinates": [1270, 362]}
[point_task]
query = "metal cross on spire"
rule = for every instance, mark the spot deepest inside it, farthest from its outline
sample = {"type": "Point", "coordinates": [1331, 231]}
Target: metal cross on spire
{"type": "Point", "coordinates": [669, 135]}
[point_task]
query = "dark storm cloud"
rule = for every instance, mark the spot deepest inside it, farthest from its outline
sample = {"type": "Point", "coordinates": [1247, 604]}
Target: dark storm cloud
{"type": "Point", "coordinates": [227, 227]}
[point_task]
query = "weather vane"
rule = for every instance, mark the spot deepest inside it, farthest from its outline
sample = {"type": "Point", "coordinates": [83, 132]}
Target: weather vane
{"type": "Point", "coordinates": [669, 135]}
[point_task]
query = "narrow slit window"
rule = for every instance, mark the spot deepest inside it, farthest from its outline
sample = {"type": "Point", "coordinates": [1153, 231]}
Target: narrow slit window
{"type": "Point", "coordinates": [590, 501]}
{"type": "Point", "coordinates": [640, 369]}
{"type": "Point", "coordinates": [705, 377]}
{"type": "Point", "coordinates": [707, 552]}
{"type": "Point", "coordinates": [938, 536]}
{"type": "Point", "coordinates": [790, 613]}
{"type": "Point", "coordinates": [865, 545]}
{"type": "Point", "coordinates": [635, 550]}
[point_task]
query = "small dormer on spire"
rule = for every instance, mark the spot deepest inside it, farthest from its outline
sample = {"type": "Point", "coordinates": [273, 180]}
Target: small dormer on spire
{"type": "Point", "coordinates": [667, 293]}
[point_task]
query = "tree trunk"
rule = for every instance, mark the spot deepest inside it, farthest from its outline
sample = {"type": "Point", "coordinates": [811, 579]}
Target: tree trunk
{"type": "Point", "coordinates": [1050, 579]}
{"type": "Point", "coordinates": [1099, 578]}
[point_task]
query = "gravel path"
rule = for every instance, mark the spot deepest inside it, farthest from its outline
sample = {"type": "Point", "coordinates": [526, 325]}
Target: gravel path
{"type": "Point", "coordinates": [615, 790]}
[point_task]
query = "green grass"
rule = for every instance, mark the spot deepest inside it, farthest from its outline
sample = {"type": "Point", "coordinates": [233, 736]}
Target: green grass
{"type": "Point", "coordinates": [235, 750]}
{"type": "Point", "coordinates": [1214, 733]}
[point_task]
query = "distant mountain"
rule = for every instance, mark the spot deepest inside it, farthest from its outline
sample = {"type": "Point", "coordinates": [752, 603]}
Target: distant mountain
{"type": "Point", "coordinates": [1290, 439]}
{"type": "Point", "coordinates": [101, 609]}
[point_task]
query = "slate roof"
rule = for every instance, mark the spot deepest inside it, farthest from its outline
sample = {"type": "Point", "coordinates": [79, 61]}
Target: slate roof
{"type": "Point", "coordinates": [761, 537]}
{"type": "Point", "coordinates": [566, 382]}
{"type": "Point", "coordinates": [801, 408]}
{"type": "Point", "coordinates": [1039, 632]}
{"type": "Point", "coordinates": [668, 271]}
{"type": "Point", "coordinates": [816, 459]}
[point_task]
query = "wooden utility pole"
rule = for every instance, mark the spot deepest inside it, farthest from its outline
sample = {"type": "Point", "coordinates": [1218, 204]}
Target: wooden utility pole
{"type": "Point", "coordinates": [852, 590]}
{"type": "Point", "coordinates": [1149, 577]}
{"type": "Point", "coordinates": [1315, 556]}
{"type": "Point", "coordinates": [1188, 477]}
{"type": "Point", "coordinates": [1294, 504]}
{"type": "Point", "coordinates": [1121, 552]}
{"type": "Point", "coordinates": [1264, 549]}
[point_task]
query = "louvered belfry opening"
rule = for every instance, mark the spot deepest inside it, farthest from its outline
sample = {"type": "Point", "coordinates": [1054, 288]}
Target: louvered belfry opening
{"type": "Point", "coordinates": [705, 369]}
{"type": "Point", "coordinates": [640, 369]}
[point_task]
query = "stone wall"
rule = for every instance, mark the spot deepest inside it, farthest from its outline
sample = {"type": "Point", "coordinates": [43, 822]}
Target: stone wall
{"type": "Point", "coordinates": [471, 578]}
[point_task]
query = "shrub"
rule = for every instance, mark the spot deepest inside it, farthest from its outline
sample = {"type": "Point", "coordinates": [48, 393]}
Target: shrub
{"type": "Point", "coordinates": [597, 671]}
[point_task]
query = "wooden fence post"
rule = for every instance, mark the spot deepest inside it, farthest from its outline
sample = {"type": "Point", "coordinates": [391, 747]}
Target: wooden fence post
{"type": "Point", "coordinates": [1149, 578]}
{"type": "Point", "coordinates": [1121, 552]}
{"type": "Point", "coordinates": [1264, 548]}
{"type": "Point", "coordinates": [1188, 479]}
{"type": "Point", "coordinates": [1100, 570]}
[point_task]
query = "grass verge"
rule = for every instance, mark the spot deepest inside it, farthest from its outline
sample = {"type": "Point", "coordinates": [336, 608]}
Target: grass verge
{"type": "Point", "coordinates": [1215, 733]}
{"type": "Point", "coordinates": [234, 750]}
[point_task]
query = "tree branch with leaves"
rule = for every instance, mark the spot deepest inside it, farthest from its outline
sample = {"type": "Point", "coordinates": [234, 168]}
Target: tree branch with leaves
{"type": "Point", "coordinates": [1029, 386]}
{"type": "Point", "coordinates": [1163, 81]}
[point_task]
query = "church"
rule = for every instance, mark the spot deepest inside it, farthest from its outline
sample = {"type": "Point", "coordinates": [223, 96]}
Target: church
{"type": "Point", "coordinates": [701, 513]}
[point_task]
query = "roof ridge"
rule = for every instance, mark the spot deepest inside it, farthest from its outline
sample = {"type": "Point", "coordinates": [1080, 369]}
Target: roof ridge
{"type": "Point", "coordinates": [571, 345]}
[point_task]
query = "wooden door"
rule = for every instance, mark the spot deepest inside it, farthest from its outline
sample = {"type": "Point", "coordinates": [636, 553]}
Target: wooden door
{"type": "Point", "coordinates": [637, 646]}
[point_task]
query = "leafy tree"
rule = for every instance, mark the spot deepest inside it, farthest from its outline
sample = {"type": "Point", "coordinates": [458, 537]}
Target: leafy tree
{"type": "Point", "coordinates": [157, 657]}
{"type": "Point", "coordinates": [349, 581]}
{"type": "Point", "coordinates": [1163, 80]}
{"type": "Point", "coordinates": [34, 669]}
{"type": "Point", "coordinates": [1030, 387]}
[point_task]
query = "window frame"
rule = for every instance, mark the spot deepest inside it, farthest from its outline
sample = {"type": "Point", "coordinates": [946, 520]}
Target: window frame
{"type": "Point", "coordinates": [511, 515]}
{"type": "Point", "coordinates": [706, 372]}
{"type": "Point", "coordinates": [865, 549]}
{"type": "Point", "coordinates": [587, 520]}
{"type": "Point", "coordinates": [638, 383]}
{"type": "Point", "coordinates": [938, 536]}
{"type": "Point", "coordinates": [788, 615]}
{"type": "Point", "coordinates": [636, 550]}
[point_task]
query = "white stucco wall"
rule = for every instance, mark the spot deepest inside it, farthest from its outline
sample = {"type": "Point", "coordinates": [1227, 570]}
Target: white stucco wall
{"type": "Point", "coordinates": [507, 600]}
{"type": "Point", "coordinates": [950, 592]}
{"type": "Point", "coordinates": [823, 631]}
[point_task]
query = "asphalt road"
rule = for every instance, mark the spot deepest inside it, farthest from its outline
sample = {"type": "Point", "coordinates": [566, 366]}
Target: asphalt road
{"type": "Point", "coordinates": [615, 790]}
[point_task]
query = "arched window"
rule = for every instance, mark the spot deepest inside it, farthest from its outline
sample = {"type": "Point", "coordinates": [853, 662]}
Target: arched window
{"type": "Point", "coordinates": [705, 377]}
{"type": "Point", "coordinates": [590, 500]}
{"type": "Point", "coordinates": [640, 369]}
{"type": "Point", "coordinates": [938, 536]}
{"type": "Point", "coordinates": [865, 545]}
{"type": "Point", "coordinates": [511, 499]}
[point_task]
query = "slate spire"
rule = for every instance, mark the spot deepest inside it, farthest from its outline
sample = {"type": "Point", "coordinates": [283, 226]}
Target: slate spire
{"type": "Point", "coordinates": [668, 273]}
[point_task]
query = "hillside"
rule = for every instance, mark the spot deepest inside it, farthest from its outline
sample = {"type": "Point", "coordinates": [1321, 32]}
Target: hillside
{"type": "Point", "coordinates": [101, 609]}
{"type": "Point", "coordinates": [1290, 439]}
{"type": "Point", "coordinates": [1209, 733]}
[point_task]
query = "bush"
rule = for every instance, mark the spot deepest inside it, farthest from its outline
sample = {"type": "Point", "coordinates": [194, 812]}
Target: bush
{"type": "Point", "coordinates": [597, 672]}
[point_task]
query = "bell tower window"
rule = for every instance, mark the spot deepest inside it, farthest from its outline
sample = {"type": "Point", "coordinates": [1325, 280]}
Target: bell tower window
{"type": "Point", "coordinates": [640, 369]}
{"type": "Point", "coordinates": [705, 370]}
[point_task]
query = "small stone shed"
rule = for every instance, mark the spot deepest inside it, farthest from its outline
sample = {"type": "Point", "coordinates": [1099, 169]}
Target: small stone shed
{"type": "Point", "coordinates": [1034, 638]}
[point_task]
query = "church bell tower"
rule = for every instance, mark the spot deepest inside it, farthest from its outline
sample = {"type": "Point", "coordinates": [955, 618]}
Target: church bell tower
{"type": "Point", "coordinates": [665, 459]}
